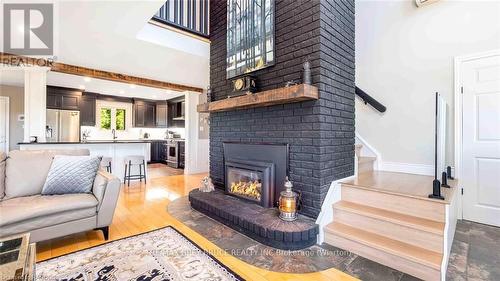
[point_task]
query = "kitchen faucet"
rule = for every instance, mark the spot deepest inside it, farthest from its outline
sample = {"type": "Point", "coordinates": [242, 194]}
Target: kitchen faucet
{"type": "Point", "coordinates": [114, 134]}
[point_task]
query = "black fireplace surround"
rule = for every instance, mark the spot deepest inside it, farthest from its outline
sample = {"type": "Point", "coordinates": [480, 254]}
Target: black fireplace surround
{"type": "Point", "coordinates": [254, 177]}
{"type": "Point", "coordinates": [269, 160]}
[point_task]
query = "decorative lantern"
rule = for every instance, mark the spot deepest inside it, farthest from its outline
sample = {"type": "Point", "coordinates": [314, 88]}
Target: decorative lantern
{"type": "Point", "coordinates": [288, 202]}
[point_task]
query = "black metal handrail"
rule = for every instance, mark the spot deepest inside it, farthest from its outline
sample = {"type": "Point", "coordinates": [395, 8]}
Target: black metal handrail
{"type": "Point", "coordinates": [368, 99]}
{"type": "Point", "coordinates": [188, 15]}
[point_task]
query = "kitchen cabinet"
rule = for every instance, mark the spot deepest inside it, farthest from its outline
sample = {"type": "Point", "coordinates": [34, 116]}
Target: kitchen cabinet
{"type": "Point", "coordinates": [53, 101]}
{"type": "Point", "coordinates": [150, 115]}
{"type": "Point", "coordinates": [182, 158]}
{"type": "Point", "coordinates": [144, 114]}
{"type": "Point", "coordinates": [175, 119]}
{"type": "Point", "coordinates": [161, 114]}
{"type": "Point", "coordinates": [63, 98]}
{"type": "Point", "coordinates": [88, 109]}
{"type": "Point", "coordinates": [157, 152]}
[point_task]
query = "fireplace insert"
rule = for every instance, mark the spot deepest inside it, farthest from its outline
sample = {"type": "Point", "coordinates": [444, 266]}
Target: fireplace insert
{"type": "Point", "coordinates": [251, 180]}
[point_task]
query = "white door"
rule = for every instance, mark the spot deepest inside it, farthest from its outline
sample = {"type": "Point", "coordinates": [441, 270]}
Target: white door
{"type": "Point", "coordinates": [4, 124]}
{"type": "Point", "coordinates": [481, 140]}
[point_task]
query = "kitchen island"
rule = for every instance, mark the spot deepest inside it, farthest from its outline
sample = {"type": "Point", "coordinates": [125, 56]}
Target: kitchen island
{"type": "Point", "coordinates": [117, 150]}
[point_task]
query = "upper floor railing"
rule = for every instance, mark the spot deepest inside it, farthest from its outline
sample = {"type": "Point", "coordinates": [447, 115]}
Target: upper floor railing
{"type": "Point", "coordinates": [188, 15]}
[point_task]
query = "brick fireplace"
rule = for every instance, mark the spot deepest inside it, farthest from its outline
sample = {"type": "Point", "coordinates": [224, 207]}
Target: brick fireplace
{"type": "Point", "coordinates": [320, 133]}
{"type": "Point", "coordinates": [255, 171]}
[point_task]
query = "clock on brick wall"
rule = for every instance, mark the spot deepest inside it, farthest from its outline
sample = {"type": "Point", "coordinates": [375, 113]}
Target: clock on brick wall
{"type": "Point", "coordinates": [249, 37]}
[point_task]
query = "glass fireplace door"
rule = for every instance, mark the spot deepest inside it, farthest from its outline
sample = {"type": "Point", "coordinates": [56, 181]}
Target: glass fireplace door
{"type": "Point", "coordinates": [245, 183]}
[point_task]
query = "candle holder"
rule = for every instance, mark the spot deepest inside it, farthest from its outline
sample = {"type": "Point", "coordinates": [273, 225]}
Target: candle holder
{"type": "Point", "coordinates": [288, 202]}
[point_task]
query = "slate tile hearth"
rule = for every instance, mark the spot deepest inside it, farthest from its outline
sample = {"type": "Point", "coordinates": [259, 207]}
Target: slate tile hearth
{"type": "Point", "coordinates": [261, 224]}
{"type": "Point", "coordinates": [464, 264]}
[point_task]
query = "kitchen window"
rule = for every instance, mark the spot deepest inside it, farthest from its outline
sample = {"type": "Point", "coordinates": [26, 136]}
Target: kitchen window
{"type": "Point", "coordinates": [105, 118]}
{"type": "Point", "coordinates": [112, 118]}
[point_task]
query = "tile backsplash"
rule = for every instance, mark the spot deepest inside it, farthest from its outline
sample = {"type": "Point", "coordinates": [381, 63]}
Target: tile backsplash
{"type": "Point", "coordinates": [131, 133]}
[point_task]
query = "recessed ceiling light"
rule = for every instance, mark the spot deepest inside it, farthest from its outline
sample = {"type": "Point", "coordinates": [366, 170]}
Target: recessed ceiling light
{"type": "Point", "coordinates": [132, 86]}
{"type": "Point", "coordinates": [122, 92]}
{"type": "Point", "coordinates": [81, 87]}
{"type": "Point", "coordinates": [87, 79]}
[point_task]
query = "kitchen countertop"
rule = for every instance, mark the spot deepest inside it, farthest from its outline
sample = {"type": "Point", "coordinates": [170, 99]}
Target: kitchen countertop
{"type": "Point", "coordinates": [103, 141]}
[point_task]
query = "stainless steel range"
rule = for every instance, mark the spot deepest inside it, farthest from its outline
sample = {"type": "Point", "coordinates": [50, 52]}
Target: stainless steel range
{"type": "Point", "coordinates": [174, 153]}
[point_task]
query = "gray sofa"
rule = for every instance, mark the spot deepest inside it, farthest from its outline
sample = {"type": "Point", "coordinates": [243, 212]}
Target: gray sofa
{"type": "Point", "coordinates": [24, 209]}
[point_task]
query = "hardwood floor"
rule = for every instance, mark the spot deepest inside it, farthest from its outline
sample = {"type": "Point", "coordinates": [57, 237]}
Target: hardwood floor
{"type": "Point", "coordinates": [144, 207]}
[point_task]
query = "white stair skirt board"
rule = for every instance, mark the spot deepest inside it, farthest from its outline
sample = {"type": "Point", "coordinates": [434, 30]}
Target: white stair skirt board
{"type": "Point", "coordinates": [326, 215]}
{"type": "Point", "coordinates": [453, 212]}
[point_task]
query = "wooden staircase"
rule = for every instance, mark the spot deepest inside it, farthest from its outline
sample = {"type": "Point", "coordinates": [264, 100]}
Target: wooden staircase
{"type": "Point", "coordinates": [390, 224]}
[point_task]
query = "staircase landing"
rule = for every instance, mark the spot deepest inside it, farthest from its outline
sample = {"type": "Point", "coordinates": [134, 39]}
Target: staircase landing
{"type": "Point", "coordinates": [410, 185]}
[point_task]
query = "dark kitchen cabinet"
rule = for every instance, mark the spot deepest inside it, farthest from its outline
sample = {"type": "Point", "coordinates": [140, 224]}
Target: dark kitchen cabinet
{"type": "Point", "coordinates": [53, 101]}
{"type": "Point", "coordinates": [150, 115]}
{"type": "Point", "coordinates": [161, 115]}
{"type": "Point", "coordinates": [157, 152]}
{"type": "Point", "coordinates": [70, 102]}
{"type": "Point", "coordinates": [144, 114]}
{"type": "Point", "coordinates": [139, 115]}
{"type": "Point", "coordinates": [88, 109]}
{"type": "Point", "coordinates": [63, 98]}
{"type": "Point", "coordinates": [182, 158]}
{"type": "Point", "coordinates": [174, 119]}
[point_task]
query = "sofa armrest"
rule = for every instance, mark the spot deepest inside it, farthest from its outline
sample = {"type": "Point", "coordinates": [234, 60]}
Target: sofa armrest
{"type": "Point", "coordinates": [106, 189]}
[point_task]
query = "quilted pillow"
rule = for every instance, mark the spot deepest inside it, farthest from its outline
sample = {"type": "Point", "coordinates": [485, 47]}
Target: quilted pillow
{"type": "Point", "coordinates": [71, 174]}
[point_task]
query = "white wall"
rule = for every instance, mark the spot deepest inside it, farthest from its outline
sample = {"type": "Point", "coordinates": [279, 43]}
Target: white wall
{"type": "Point", "coordinates": [196, 145]}
{"type": "Point", "coordinates": [35, 98]}
{"type": "Point", "coordinates": [16, 108]}
{"type": "Point", "coordinates": [404, 54]}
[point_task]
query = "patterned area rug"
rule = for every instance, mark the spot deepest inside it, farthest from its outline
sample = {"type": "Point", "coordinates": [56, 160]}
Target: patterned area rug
{"type": "Point", "coordinates": [163, 254]}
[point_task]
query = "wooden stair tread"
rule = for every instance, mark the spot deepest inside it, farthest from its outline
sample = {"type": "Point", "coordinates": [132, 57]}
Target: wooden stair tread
{"type": "Point", "coordinates": [407, 251]}
{"type": "Point", "coordinates": [401, 184]}
{"type": "Point", "coordinates": [394, 217]}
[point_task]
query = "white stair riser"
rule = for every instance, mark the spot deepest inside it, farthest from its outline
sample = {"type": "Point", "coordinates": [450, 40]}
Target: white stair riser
{"type": "Point", "coordinates": [396, 203]}
{"type": "Point", "coordinates": [417, 237]}
{"type": "Point", "coordinates": [382, 257]}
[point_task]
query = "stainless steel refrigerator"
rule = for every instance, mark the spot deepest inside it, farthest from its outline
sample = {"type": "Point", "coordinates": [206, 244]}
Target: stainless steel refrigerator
{"type": "Point", "coordinates": [62, 126]}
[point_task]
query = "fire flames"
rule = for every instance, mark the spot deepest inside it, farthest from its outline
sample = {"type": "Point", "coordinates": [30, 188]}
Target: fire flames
{"type": "Point", "coordinates": [250, 189]}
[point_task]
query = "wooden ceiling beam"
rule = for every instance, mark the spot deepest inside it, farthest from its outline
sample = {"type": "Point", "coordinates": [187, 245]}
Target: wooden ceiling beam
{"type": "Point", "coordinates": [16, 60]}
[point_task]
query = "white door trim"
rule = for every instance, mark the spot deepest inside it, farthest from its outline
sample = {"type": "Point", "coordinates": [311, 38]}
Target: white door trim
{"type": "Point", "coordinates": [459, 60]}
{"type": "Point", "coordinates": [7, 122]}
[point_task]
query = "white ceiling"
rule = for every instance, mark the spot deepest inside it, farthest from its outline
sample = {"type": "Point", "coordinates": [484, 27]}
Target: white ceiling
{"type": "Point", "coordinates": [109, 87]}
{"type": "Point", "coordinates": [16, 78]}
{"type": "Point", "coordinates": [103, 35]}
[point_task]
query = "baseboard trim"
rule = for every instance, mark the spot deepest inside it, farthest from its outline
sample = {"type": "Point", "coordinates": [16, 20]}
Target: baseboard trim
{"type": "Point", "coordinates": [410, 168]}
{"type": "Point", "coordinates": [418, 169]}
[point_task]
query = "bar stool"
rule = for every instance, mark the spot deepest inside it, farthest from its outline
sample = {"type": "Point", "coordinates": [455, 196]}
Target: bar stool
{"type": "Point", "coordinates": [135, 160]}
{"type": "Point", "coordinates": [106, 164]}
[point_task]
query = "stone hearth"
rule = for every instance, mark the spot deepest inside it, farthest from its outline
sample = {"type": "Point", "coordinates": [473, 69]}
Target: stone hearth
{"type": "Point", "coordinates": [261, 224]}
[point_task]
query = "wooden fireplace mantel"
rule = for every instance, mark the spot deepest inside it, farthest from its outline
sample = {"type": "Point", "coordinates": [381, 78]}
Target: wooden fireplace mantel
{"type": "Point", "coordinates": [296, 93]}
